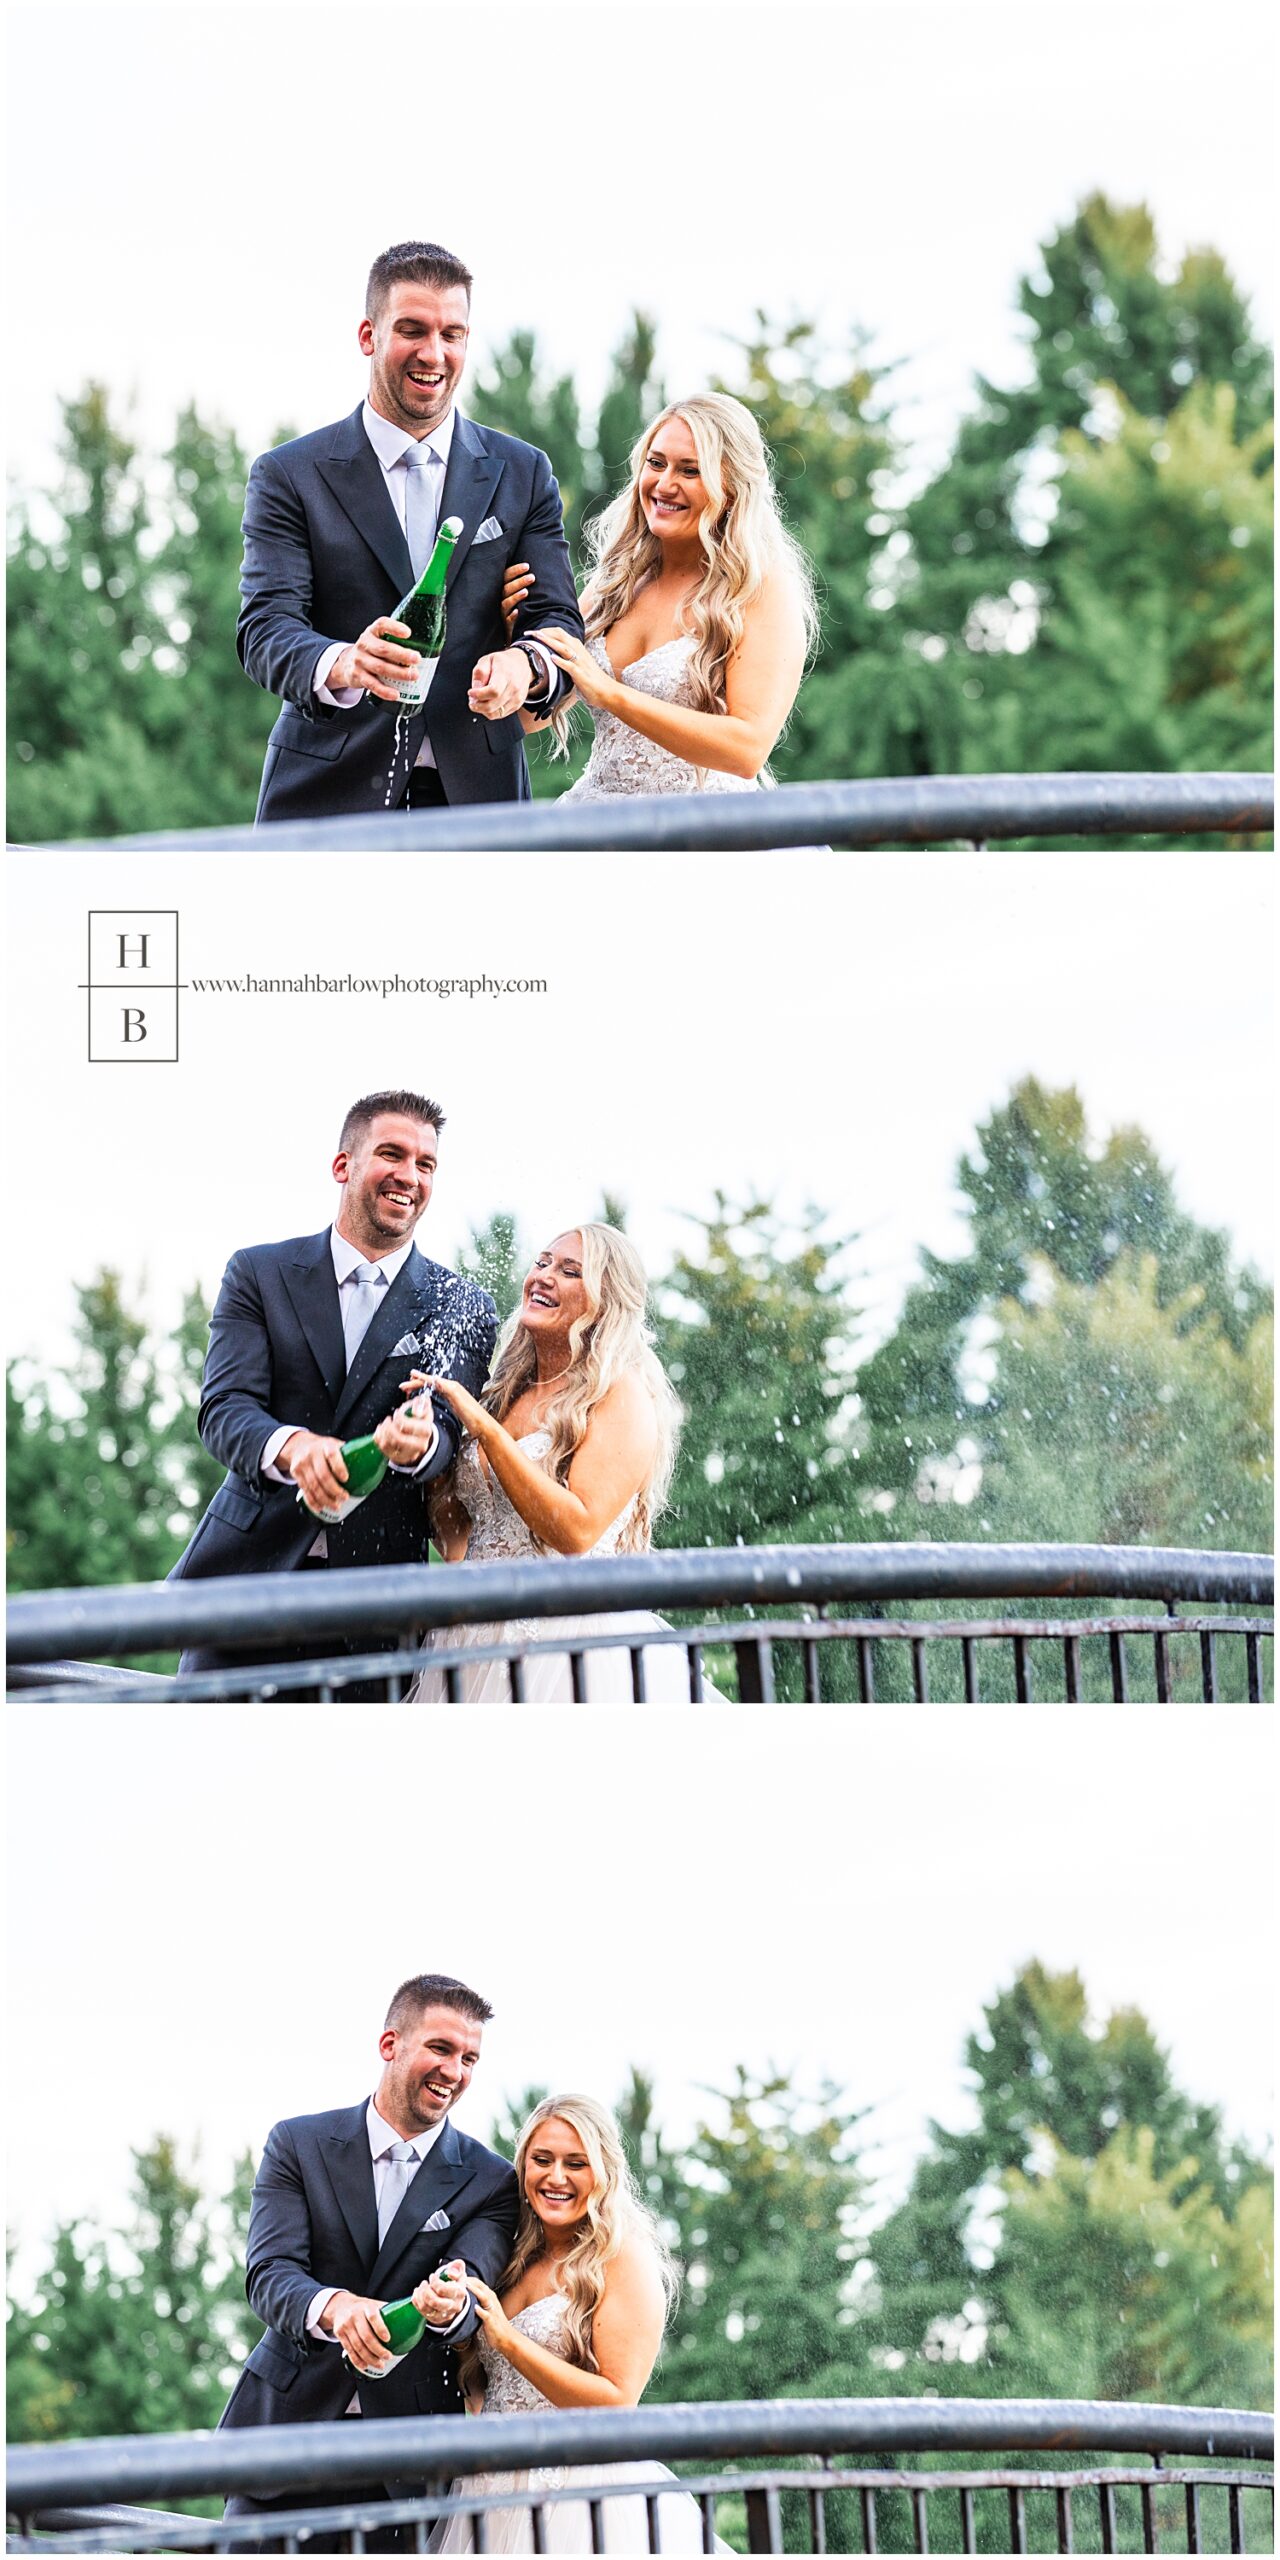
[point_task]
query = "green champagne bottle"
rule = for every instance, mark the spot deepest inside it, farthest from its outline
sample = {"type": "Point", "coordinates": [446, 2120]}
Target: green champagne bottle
{"type": "Point", "coordinates": [406, 2326]}
{"type": "Point", "coordinates": [366, 1467]}
{"type": "Point", "coordinates": [423, 609]}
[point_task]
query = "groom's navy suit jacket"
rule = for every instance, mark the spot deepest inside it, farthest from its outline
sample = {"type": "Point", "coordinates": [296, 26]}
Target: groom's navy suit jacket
{"type": "Point", "coordinates": [277, 1355]}
{"type": "Point", "coordinates": [324, 555]}
{"type": "Point", "coordinates": [314, 2222]}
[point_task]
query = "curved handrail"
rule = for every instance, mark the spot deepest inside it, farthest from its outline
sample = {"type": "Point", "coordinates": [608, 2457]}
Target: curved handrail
{"type": "Point", "coordinates": [268, 2461]}
{"type": "Point", "coordinates": [248, 1609]}
{"type": "Point", "coordinates": [898, 810]}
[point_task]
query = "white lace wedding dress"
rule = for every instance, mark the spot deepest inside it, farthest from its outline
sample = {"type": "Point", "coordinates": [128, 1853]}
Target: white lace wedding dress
{"type": "Point", "coordinates": [499, 1534]}
{"type": "Point", "coordinates": [567, 2522]}
{"type": "Point", "coordinates": [623, 761]}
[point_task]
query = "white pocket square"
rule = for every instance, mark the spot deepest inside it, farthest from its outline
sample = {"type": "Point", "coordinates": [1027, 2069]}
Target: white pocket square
{"type": "Point", "coordinates": [488, 531]}
{"type": "Point", "coordinates": [437, 2222]}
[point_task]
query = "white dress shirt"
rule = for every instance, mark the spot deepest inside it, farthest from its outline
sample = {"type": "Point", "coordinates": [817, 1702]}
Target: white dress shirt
{"type": "Point", "coordinates": [391, 443]}
{"type": "Point", "coordinates": [381, 2136]}
{"type": "Point", "coordinates": [347, 1259]}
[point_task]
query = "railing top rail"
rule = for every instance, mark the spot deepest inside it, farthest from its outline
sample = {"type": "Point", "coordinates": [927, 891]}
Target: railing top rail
{"type": "Point", "coordinates": [268, 2461]}
{"type": "Point", "coordinates": [251, 1609]}
{"type": "Point", "coordinates": [897, 810]}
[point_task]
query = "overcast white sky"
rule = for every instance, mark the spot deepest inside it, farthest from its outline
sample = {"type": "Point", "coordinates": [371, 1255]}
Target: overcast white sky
{"type": "Point", "coordinates": [209, 185]}
{"type": "Point", "coordinates": [837, 1891]}
{"type": "Point", "coordinates": [809, 1026]}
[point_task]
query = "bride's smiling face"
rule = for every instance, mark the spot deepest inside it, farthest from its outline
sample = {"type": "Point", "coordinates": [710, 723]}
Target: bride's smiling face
{"type": "Point", "coordinates": [673, 492]}
{"type": "Point", "coordinates": [558, 2177]}
{"type": "Point", "coordinates": [555, 1293]}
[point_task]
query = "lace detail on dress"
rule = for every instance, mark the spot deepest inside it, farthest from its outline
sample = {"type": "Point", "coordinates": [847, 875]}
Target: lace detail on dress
{"type": "Point", "coordinates": [623, 761]}
{"type": "Point", "coordinates": [507, 2392]}
{"type": "Point", "coordinates": [497, 1529]}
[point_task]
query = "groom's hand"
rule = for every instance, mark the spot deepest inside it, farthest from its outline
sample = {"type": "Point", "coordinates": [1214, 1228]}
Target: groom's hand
{"type": "Point", "coordinates": [317, 1467]}
{"type": "Point", "coordinates": [356, 2321]}
{"type": "Point", "coordinates": [499, 683]}
{"type": "Point", "coordinates": [373, 663]}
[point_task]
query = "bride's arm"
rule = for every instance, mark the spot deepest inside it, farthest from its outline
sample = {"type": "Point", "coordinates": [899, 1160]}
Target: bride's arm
{"type": "Point", "coordinates": [761, 683]}
{"type": "Point", "coordinates": [608, 1467]}
{"type": "Point", "coordinates": [450, 1522]}
{"type": "Point", "coordinates": [626, 2335]}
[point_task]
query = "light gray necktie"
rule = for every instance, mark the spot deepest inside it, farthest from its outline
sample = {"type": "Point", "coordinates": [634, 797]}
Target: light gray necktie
{"type": "Point", "coordinates": [400, 2168]}
{"type": "Point", "coordinates": [360, 1305]}
{"type": "Point", "coordinates": [423, 474]}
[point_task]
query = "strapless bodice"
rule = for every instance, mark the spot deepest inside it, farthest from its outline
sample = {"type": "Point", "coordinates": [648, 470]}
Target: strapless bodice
{"type": "Point", "coordinates": [623, 761]}
{"type": "Point", "coordinates": [507, 2392]}
{"type": "Point", "coordinates": [497, 1529]}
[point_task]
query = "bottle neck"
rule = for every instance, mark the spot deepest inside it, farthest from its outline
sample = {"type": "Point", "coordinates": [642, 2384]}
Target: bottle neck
{"type": "Point", "coordinates": [431, 583]}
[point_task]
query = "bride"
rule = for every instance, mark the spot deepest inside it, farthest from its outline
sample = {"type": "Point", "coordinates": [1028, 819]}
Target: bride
{"type": "Point", "coordinates": [576, 2323]}
{"type": "Point", "coordinates": [699, 613]}
{"type": "Point", "coordinates": [569, 1451]}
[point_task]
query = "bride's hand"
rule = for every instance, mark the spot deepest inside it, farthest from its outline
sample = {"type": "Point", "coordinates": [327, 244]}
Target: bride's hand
{"type": "Point", "coordinates": [471, 1415]}
{"type": "Point", "coordinates": [593, 683]}
{"type": "Point", "coordinates": [516, 585]}
{"type": "Point", "coordinates": [490, 2314]}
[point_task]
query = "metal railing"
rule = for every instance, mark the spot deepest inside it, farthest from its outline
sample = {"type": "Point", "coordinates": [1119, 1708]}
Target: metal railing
{"type": "Point", "coordinates": [941, 809]}
{"type": "Point", "coordinates": [823, 2475]}
{"type": "Point", "coordinates": [828, 1625]}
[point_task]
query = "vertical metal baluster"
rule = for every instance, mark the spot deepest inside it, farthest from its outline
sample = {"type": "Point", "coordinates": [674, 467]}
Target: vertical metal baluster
{"type": "Point", "coordinates": [818, 2519]}
{"type": "Point", "coordinates": [578, 1675]}
{"type": "Point", "coordinates": [1017, 2519]}
{"type": "Point", "coordinates": [516, 1670]}
{"type": "Point", "coordinates": [1209, 1670]}
{"type": "Point", "coordinates": [596, 2506]}
{"type": "Point", "coordinates": [707, 2511]}
{"type": "Point", "coordinates": [1161, 1643]}
{"type": "Point", "coordinates": [968, 1646]}
{"type": "Point", "coordinates": [480, 2530]}
{"type": "Point", "coordinates": [764, 1656]}
{"type": "Point", "coordinates": [1235, 2515]}
{"type": "Point", "coordinates": [1066, 2527]}
{"type": "Point", "coordinates": [1071, 1667]}
{"type": "Point", "coordinates": [920, 2518]}
{"type": "Point", "coordinates": [919, 1671]}
{"type": "Point", "coordinates": [812, 1680]}
{"type": "Point", "coordinates": [1253, 1657]}
{"type": "Point", "coordinates": [968, 2527]}
{"type": "Point", "coordinates": [1021, 1671]}
{"type": "Point", "coordinates": [651, 2518]}
{"type": "Point", "coordinates": [539, 2519]}
{"type": "Point", "coordinates": [1148, 2516]}
{"type": "Point", "coordinates": [1119, 1670]}
{"type": "Point", "coordinates": [760, 2534]}
{"type": "Point", "coordinates": [870, 2539]}
{"type": "Point", "coordinates": [638, 1690]}
{"type": "Point", "coordinates": [695, 1674]}
{"type": "Point", "coordinates": [453, 1684]}
{"type": "Point", "coordinates": [866, 1682]}
{"type": "Point", "coordinates": [1107, 2503]}
{"type": "Point", "coordinates": [746, 1653]}
{"type": "Point", "coordinates": [326, 1693]}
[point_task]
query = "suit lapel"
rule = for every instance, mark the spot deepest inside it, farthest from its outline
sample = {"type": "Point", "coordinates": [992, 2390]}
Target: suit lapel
{"type": "Point", "coordinates": [350, 2167]}
{"type": "Point", "coordinates": [410, 1293]}
{"type": "Point", "coordinates": [429, 2192]}
{"type": "Point", "coordinates": [352, 471]}
{"type": "Point", "coordinates": [472, 476]}
{"type": "Point", "coordinates": [313, 1290]}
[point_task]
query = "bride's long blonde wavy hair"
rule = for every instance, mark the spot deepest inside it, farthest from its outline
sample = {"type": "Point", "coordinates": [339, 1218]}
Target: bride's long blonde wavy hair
{"type": "Point", "coordinates": [611, 1339]}
{"type": "Point", "coordinates": [744, 541]}
{"type": "Point", "coordinates": [615, 2212]}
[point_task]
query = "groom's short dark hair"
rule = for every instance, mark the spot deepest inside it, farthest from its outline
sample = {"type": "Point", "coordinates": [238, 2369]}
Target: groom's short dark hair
{"type": "Point", "coordinates": [413, 262]}
{"type": "Point", "coordinates": [435, 1991]}
{"type": "Point", "coordinates": [406, 1106]}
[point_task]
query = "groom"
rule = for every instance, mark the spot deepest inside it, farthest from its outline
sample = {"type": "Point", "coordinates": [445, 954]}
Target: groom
{"type": "Point", "coordinates": [309, 1344]}
{"type": "Point", "coordinates": [340, 524]}
{"type": "Point", "coordinates": [361, 2206]}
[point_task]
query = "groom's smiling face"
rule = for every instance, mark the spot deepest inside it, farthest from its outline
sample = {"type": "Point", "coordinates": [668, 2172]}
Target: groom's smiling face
{"type": "Point", "coordinates": [417, 348]}
{"type": "Point", "coordinates": [386, 1179]}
